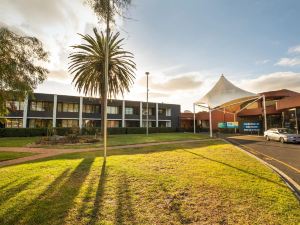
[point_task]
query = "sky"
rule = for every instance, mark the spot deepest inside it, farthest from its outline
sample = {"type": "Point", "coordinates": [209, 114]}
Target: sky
{"type": "Point", "coordinates": [184, 45]}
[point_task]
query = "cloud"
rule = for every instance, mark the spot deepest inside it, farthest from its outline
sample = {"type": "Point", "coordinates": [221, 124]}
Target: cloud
{"type": "Point", "coordinates": [182, 82]}
{"type": "Point", "coordinates": [60, 75]}
{"type": "Point", "coordinates": [288, 62]}
{"type": "Point", "coordinates": [295, 49]}
{"type": "Point", "coordinates": [273, 81]}
{"type": "Point", "coordinates": [262, 62]}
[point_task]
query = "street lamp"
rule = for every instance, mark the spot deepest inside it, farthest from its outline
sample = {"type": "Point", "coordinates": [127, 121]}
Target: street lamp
{"type": "Point", "coordinates": [147, 118]}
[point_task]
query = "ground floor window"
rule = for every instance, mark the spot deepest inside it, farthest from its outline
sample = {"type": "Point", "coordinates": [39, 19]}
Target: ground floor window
{"type": "Point", "coordinates": [14, 123]}
{"type": "Point", "coordinates": [67, 123]}
{"type": "Point", "coordinates": [150, 123]}
{"type": "Point", "coordinates": [164, 123]}
{"type": "Point", "coordinates": [113, 123]}
{"type": "Point", "coordinates": [91, 123]}
{"type": "Point", "coordinates": [132, 123]}
{"type": "Point", "coordinates": [39, 123]}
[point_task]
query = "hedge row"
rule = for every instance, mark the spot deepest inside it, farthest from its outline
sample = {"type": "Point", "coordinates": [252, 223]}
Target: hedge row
{"type": "Point", "coordinates": [30, 132]}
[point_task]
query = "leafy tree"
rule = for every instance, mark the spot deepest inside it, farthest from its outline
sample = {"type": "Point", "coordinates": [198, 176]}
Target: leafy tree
{"type": "Point", "coordinates": [20, 67]}
{"type": "Point", "coordinates": [87, 65]}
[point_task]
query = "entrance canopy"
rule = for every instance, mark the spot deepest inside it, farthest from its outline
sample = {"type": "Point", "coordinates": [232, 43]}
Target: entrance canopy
{"type": "Point", "coordinates": [224, 93]}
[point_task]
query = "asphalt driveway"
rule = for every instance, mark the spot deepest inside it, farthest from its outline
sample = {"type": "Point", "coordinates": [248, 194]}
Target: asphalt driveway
{"type": "Point", "coordinates": [286, 157]}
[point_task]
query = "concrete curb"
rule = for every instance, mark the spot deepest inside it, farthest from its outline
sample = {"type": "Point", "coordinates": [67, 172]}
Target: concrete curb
{"type": "Point", "coordinates": [292, 185]}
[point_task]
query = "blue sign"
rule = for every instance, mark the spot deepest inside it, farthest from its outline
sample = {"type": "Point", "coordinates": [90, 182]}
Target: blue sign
{"type": "Point", "coordinates": [229, 125]}
{"type": "Point", "coordinates": [222, 125]}
{"type": "Point", "coordinates": [251, 126]}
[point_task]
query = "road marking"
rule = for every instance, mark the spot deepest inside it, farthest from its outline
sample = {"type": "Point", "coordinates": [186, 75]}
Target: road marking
{"type": "Point", "coordinates": [277, 160]}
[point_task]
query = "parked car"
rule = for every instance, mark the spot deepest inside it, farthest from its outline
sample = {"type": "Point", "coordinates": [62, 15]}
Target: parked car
{"type": "Point", "coordinates": [281, 134]}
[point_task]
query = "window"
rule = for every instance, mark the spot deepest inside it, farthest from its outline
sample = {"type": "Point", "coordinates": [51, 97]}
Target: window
{"type": "Point", "coordinates": [113, 123]}
{"type": "Point", "coordinates": [162, 112]}
{"type": "Point", "coordinates": [168, 112]}
{"type": "Point", "coordinates": [89, 123]}
{"type": "Point", "coordinates": [14, 105]}
{"type": "Point", "coordinates": [67, 107]}
{"type": "Point", "coordinates": [14, 123]}
{"type": "Point", "coordinates": [112, 110]}
{"type": "Point", "coordinates": [150, 123]}
{"type": "Point", "coordinates": [38, 123]}
{"type": "Point", "coordinates": [129, 111]}
{"type": "Point", "coordinates": [67, 123]}
{"type": "Point", "coordinates": [91, 109]}
{"type": "Point", "coordinates": [41, 106]}
{"type": "Point", "coordinates": [168, 124]}
{"type": "Point", "coordinates": [149, 111]}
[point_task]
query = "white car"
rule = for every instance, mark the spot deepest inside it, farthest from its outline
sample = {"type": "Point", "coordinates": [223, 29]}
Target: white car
{"type": "Point", "coordinates": [281, 134]}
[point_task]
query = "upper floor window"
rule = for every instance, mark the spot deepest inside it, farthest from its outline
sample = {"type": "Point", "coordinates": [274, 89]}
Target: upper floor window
{"type": "Point", "coordinates": [91, 109]}
{"type": "Point", "coordinates": [128, 111]}
{"type": "Point", "coordinates": [149, 111]}
{"type": "Point", "coordinates": [14, 105]}
{"type": "Point", "coordinates": [41, 106]}
{"type": "Point", "coordinates": [112, 110]}
{"type": "Point", "coordinates": [67, 107]}
{"type": "Point", "coordinates": [168, 112]}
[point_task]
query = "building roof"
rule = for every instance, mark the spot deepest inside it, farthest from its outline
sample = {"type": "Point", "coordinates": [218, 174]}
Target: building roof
{"type": "Point", "coordinates": [223, 91]}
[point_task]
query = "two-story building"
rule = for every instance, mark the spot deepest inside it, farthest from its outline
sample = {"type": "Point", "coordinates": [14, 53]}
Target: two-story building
{"type": "Point", "coordinates": [51, 110]}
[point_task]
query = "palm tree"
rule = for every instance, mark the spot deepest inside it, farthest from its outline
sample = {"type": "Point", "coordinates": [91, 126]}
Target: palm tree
{"type": "Point", "coordinates": [88, 66]}
{"type": "Point", "coordinates": [106, 10]}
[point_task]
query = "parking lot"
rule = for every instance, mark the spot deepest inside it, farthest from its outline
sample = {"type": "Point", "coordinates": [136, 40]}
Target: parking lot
{"type": "Point", "coordinates": [286, 157]}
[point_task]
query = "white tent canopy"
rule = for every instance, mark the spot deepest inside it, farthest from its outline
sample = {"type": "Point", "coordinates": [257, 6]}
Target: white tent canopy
{"type": "Point", "coordinates": [223, 91]}
{"type": "Point", "coordinates": [225, 94]}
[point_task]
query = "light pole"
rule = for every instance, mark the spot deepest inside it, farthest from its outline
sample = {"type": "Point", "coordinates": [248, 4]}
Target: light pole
{"type": "Point", "coordinates": [147, 115]}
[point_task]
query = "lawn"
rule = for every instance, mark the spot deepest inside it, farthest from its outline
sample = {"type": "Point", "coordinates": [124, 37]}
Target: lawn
{"type": "Point", "coordinates": [205, 183]}
{"type": "Point", "coordinates": [128, 139]}
{"type": "Point", "coordinates": [17, 141]}
{"type": "Point", "coordinates": [113, 140]}
{"type": "Point", "coordinates": [13, 155]}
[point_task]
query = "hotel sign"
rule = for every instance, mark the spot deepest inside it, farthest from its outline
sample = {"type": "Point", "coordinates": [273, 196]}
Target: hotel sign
{"type": "Point", "coordinates": [253, 126]}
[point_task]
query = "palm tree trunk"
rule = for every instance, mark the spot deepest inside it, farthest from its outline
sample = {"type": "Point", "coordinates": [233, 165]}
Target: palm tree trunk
{"type": "Point", "coordinates": [104, 123]}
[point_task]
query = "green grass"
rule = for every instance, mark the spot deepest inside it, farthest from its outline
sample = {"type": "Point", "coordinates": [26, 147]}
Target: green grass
{"type": "Point", "coordinates": [128, 139]}
{"type": "Point", "coordinates": [13, 155]}
{"type": "Point", "coordinates": [17, 141]}
{"type": "Point", "coordinates": [205, 183]}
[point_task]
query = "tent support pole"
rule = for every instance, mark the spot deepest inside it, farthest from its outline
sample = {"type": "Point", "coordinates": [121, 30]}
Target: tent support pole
{"type": "Point", "coordinates": [265, 112]}
{"type": "Point", "coordinates": [210, 124]}
{"type": "Point", "coordinates": [234, 120]}
{"type": "Point", "coordinates": [194, 105]}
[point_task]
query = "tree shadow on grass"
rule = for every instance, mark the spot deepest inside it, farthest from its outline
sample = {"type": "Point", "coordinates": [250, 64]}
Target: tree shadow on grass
{"type": "Point", "coordinates": [174, 204]}
{"type": "Point", "coordinates": [97, 214]}
{"type": "Point", "coordinates": [15, 190]}
{"type": "Point", "coordinates": [124, 212]}
{"type": "Point", "coordinates": [236, 168]}
{"type": "Point", "coordinates": [52, 206]}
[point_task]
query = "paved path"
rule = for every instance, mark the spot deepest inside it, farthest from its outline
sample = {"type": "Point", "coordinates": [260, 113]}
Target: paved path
{"type": "Point", "coordinates": [44, 152]}
{"type": "Point", "coordinates": [285, 157]}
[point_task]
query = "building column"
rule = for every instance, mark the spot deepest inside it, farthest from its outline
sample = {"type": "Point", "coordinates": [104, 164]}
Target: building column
{"type": "Point", "coordinates": [210, 124]}
{"type": "Point", "coordinates": [141, 114]}
{"type": "Point", "coordinates": [156, 114]}
{"type": "Point", "coordinates": [123, 113]}
{"type": "Point", "coordinates": [80, 112]}
{"type": "Point", "coordinates": [54, 110]}
{"type": "Point", "coordinates": [25, 111]}
{"type": "Point", "coordinates": [265, 112]}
